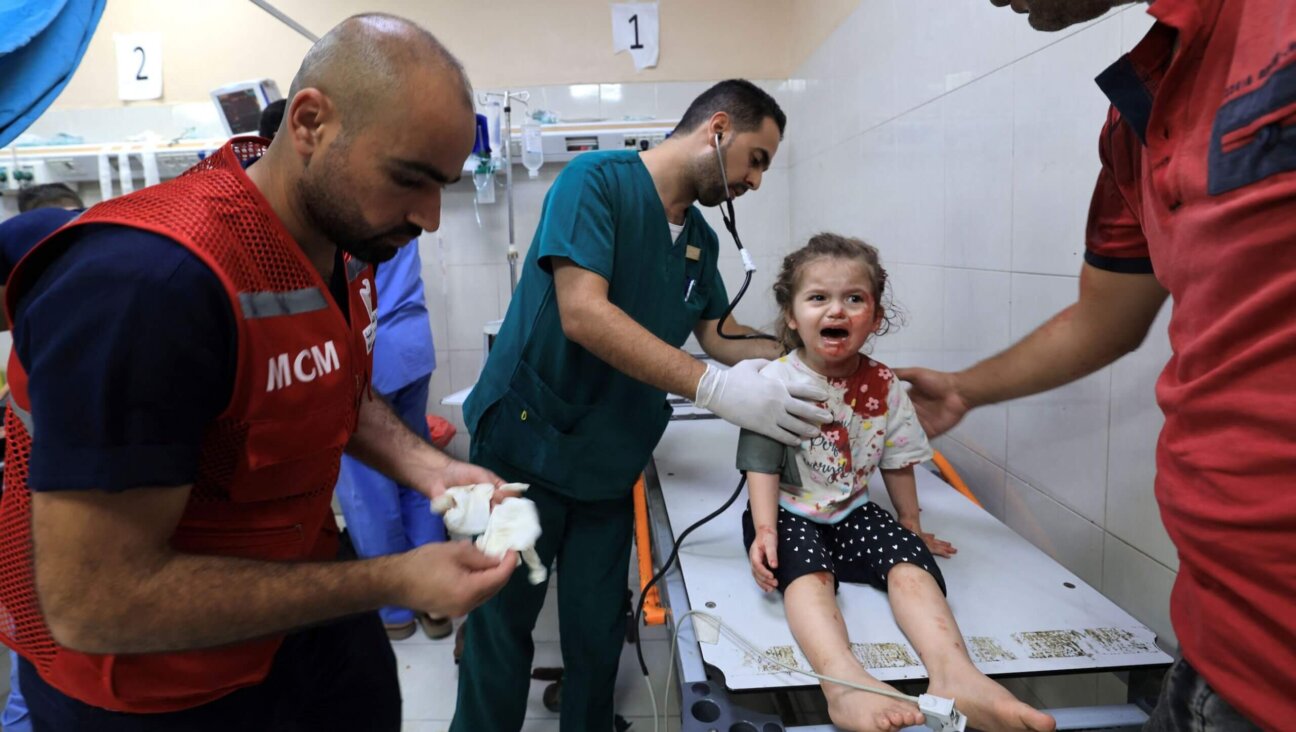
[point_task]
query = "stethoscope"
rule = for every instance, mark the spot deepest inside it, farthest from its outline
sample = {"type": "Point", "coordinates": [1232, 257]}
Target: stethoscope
{"type": "Point", "coordinates": [749, 266]}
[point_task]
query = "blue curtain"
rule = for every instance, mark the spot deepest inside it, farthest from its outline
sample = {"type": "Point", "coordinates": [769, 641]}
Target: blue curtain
{"type": "Point", "coordinates": [41, 45]}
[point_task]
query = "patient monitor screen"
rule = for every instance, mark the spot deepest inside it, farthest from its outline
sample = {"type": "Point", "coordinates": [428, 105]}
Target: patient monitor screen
{"type": "Point", "coordinates": [242, 110]}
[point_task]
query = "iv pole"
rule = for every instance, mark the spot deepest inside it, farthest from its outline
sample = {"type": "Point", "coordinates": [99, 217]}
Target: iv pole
{"type": "Point", "coordinates": [506, 142]}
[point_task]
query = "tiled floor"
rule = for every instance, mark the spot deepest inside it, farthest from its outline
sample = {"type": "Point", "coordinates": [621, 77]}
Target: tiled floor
{"type": "Point", "coordinates": [429, 677]}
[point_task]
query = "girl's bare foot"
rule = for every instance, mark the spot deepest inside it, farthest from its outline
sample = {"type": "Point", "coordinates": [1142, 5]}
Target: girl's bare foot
{"type": "Point", "coordinates": [987, 705]}
{"type": "Point", "coordinates": [862, 711]}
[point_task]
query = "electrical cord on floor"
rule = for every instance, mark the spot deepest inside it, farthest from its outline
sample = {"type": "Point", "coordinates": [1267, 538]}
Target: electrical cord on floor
{"type": "Point", "coordinates": [652, 699]}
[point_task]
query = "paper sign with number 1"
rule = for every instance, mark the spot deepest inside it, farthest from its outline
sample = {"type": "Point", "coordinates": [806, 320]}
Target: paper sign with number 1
{"type": "Point", "coordinates": [635, 29]}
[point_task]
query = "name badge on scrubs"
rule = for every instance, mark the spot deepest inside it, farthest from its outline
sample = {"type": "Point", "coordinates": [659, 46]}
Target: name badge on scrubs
{"type": "Point", "coordinates": [693, 253]}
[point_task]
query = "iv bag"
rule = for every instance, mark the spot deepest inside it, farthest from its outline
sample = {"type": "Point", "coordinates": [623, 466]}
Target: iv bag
{"type": "Point", "coordinates": [532, 147]}
{"type": "Point", "coordinates": [494, 114]}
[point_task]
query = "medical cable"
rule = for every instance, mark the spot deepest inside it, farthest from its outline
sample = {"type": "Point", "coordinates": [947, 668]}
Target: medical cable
{"type": "Point", "coordinates": [751, 648]}
{"type": "Point", "coordinates": [652, 699]}
{"type": "Point", "coordinates": [749, 265]}
{"type": "Point", "coordinates": [637, 619]}
{"type": "Point", "coordinates": [643, 594]}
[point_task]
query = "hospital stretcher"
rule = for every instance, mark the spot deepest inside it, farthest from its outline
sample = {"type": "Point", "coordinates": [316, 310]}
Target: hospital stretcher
{"type": "Point", "coordinates": [1022, 613]}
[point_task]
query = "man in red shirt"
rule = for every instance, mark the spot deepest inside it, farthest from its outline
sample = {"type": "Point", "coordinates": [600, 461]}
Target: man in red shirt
{"type": "Point", "coordinates": [1196, 200]}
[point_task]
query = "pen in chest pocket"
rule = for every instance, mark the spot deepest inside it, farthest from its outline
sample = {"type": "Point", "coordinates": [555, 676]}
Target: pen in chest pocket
{"type": "Point", "coordinates": [692, 255]}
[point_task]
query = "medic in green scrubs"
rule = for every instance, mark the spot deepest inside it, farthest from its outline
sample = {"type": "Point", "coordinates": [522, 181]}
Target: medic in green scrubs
{"type": "Point", "coordinates": [572, 398]}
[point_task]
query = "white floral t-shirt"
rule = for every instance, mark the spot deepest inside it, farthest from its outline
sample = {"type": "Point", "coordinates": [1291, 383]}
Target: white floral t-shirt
{"type": "Point", "coordinates": [873, 425]}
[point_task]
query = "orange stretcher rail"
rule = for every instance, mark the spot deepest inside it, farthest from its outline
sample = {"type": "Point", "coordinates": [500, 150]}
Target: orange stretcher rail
{"type": "Point", "coordinates": [951, 476]}
{"type": "Point", "coordinates": [653, 613]}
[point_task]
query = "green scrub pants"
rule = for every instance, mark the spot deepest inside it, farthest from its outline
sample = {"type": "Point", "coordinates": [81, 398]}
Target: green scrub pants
{"type": "Point", "coordinates": [591, 540]}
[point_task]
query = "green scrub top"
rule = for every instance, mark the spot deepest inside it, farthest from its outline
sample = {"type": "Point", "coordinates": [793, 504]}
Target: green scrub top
{"type": "Point", "coordinates": [546, 406]}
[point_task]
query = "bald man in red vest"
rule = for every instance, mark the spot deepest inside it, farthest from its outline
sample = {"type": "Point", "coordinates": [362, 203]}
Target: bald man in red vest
{"type": "Point", "coordinates": [190, 362]}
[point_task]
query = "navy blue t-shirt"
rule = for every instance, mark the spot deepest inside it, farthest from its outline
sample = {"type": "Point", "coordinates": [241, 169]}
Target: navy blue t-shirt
{"type": "Point", "coordinates": [22, 232]}
{"type": "Point", "coordinates": [131, 345]}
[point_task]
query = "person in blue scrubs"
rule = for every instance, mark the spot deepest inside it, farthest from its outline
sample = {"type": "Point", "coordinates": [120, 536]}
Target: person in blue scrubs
{"type": "Point", "coordinates": [383, 517]}
{"type": "Point", "coordinates": [572, 399]}
{"type": "Point", "coordinates": [42, 210]}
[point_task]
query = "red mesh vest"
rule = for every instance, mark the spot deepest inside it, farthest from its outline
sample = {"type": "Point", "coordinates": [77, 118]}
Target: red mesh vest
{"type": "Point", "coordinates": [268, 463]}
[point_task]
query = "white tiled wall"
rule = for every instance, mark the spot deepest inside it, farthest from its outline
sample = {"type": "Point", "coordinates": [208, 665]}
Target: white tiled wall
{"type": "Point", "coordinates": [964, 145]}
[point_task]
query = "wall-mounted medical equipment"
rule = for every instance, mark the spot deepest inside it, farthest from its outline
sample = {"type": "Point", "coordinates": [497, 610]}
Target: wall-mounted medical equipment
{"type": "Point", "coordinates": [559, 143]}
{"type": "Point", "coordinates": [116, 167]}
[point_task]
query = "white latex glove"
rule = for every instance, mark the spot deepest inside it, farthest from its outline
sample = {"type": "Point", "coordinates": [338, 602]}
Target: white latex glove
{"type": "Point", "coordinates": [742, 396]}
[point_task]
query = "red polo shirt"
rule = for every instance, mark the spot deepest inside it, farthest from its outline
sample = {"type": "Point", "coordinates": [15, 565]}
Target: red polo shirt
{"type": "Point", "coordinates": [1199, 185]}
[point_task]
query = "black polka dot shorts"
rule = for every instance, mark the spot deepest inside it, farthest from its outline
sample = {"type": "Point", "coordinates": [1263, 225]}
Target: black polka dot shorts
{"type": "Point", "coordinates": [861, 548]}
